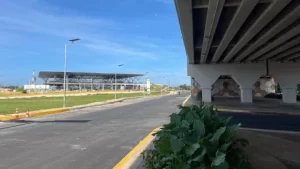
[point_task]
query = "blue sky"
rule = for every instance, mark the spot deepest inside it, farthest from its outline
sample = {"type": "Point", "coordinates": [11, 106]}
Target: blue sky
{"type": "Point", "coordinates": [144, 35]}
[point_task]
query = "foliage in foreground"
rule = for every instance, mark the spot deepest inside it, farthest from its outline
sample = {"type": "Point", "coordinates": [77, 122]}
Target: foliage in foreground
{"type": "Point", "coordinates": [197, 138]}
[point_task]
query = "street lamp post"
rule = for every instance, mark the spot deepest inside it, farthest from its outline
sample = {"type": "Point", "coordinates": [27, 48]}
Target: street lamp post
{"type": "Point", "coordinates": [116, 81]}
{"type": "Point", "coordinates": [166, 84]}
{"type": "Point", "coordinates": [65, 70]}
{"type": "Point", "coordinates": [145, 83]}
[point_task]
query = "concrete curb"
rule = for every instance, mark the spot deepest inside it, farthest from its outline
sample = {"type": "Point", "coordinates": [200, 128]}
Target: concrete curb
{"type": "Point", "coordinates": [184, 103]}
{"type": "Point", "coordinates": [135, 153]}
{"type": "Point", "coordinates": [255, 112]}
{"type": "Point", "coordinates": [33, 114]}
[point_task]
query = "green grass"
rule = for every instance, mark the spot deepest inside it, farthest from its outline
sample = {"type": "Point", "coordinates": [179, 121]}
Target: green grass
{"type": "Point", "coordinates": [8, 106]}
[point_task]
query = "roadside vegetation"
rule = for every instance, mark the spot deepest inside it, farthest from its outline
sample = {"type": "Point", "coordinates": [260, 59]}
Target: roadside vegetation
{"type": "Point", "coordinates": [197, 138]}
{"type": "Point", "coordinates": [8, 106]}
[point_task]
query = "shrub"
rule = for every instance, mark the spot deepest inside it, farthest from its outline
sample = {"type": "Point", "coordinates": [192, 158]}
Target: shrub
{"type": "Point", "coordinates": [197, 138]}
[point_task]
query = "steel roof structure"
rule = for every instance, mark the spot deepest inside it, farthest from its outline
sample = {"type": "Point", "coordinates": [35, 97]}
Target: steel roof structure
{"type": "Point", "coordinates": [85, 75]}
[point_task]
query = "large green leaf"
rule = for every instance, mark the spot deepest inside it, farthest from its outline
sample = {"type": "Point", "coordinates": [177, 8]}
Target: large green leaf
{"type": "Point", "coordinates": [189, 117]}
{"type": "Point", "coordinates": [185, 124]}
{"type": "Point", "coordinates": [199, 127]}
{"type": "Point", "coordinates": [163, 146]}
{"type": "Point", "coordinates": [223, 165]}
{"type": "Point", "coordinates": [191, 149]}
{"type": "Point", "coordinates": [224, 147]}
{"type": "Point", "coordinates": [175, 119]}
{"type": "Point", "coordinates": [219, 159]}
{"type": "Point", "coordinates": [199, 154]}
{"type": "Point", "coordinates": [192, 139]}
{"type": "Point", "coordinates": [227, 119]}
{"type": "Point", "coordinates": [176, 144]}
{"type": "Point", "coordinates": [218, 134]}
{"type": "Point", "coordinates": [183, 166]}
{"type": "Point", "coordinates": [230, 133]}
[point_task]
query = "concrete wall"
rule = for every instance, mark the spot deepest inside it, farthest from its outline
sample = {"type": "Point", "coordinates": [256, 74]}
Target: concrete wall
{"type": "Point", "coordinates": [229, 88]}
{"type": "Point", "coordinates": [246, 76]}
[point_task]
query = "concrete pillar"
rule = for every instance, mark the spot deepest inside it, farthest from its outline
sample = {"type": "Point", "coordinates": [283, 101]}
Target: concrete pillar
{"type": "Point", "coordinates": [244, 74]}
{"type": "Point", "coordinates": [246, 95]}
{"type": "Point", "coordinates": [206, 94]}
{"type": "Point", "coordinates": [246, 81]}
{"type": "Point", "coordinates": [204, 77]}
{"type": "Point", "coordinates": [289, 95]}
{"type": "Point", "coordinates": [288, 76]}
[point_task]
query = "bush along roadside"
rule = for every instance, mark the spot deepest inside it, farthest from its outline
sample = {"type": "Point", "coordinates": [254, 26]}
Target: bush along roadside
{"type": "Point", "coordinates": [197, 138]}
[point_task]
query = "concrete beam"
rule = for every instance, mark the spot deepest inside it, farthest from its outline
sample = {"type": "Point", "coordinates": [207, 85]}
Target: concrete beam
{"type": "Point", "coordinates": [282, 24]}
{"type": "Point", "coordinates": [282, 48]}
{"type": "Point", "coordinates": [293, 56]}
{"type": "Point", "coordinates": [239, 18]}
{"type": "Point", "coordinates": [185, 17]}
{"type": "Point", "coordinates": [280, 40]}
{"type": "Point", "coordinates": [213, 15]}
{"type": "Point", "coordinates": [287, 53]}
{"type": "Point", "coordinates": [273, 9]}
{"type": "Point", "coordinates": [227, 4]}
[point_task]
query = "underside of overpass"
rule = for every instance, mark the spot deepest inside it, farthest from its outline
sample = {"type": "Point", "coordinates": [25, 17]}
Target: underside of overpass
{"type": "Point", "coordinates": [244, 39]}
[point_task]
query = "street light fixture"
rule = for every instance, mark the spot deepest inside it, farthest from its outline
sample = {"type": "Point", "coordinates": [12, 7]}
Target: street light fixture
{"type": "Point", "coordinates": [116, 81]}
{"type": "Point", "coordinates": [65, 70]}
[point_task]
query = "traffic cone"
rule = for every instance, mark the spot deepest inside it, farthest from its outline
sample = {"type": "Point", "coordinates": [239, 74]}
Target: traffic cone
{"type": "Point", "coordinates": [27, 114]}
{"type": "Point", "coordinates": [17, 113]}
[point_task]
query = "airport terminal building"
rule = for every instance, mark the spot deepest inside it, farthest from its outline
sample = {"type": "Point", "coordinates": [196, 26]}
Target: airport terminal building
{"type": "Point", "coordinates": [83, 81]}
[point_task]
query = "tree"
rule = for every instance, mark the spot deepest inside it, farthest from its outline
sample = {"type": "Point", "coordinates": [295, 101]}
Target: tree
{"type": "Point", "coordinates": [20, 89]}
{"type": "Point", "coordinates": [184, 87]}
{"type": "Point", "coordinates": [155, 87]}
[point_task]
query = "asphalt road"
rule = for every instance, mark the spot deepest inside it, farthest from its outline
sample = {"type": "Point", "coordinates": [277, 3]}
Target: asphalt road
{"type": "Point", "coordinates": [266, 121]}
{"type": "Point", "coordinates": [91, 138]}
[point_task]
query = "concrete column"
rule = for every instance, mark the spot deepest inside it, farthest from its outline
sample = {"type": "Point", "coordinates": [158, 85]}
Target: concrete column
{"type": "Point", "coordinates": [289, 95]}
{"type": "Point", "coordinates": [288, 76]}
{"type": "Point", "coordinates": [244, 74]}
{"type": "Point", "coordinates": [204, 77]}
{"type": "Point", "coordinates": [206, 94]}
{"type": "Point", "coordinates": [246, 95]}
{"type": "Point", "coordinates": [246, 81]}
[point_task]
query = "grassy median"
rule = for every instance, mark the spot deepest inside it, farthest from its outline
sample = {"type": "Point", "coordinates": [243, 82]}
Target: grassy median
{"type": "Point", "coordinates": [8, 106]}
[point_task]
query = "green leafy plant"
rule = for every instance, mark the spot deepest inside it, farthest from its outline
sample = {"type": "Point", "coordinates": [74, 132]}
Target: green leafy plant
{"type": "Point", "coordinates": [197, 138]}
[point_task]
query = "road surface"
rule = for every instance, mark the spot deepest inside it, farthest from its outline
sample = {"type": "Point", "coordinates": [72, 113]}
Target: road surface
{"type": "Point", "coordinates": [265, 121]}
{"type": "Point", "coordinates": [91, 138]}
{"type": "Point", "coordinates": [98, 137]}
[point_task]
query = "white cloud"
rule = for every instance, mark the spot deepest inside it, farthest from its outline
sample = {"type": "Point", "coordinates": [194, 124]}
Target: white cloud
{"type": "Point", "coordinates": [28, 17]}
{"type": "Point", "coordinates": [34, 18]}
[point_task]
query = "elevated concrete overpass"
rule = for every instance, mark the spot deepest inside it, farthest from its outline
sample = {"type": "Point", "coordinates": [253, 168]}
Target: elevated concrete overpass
{"type": "Point", "coordinates": [244, 39]}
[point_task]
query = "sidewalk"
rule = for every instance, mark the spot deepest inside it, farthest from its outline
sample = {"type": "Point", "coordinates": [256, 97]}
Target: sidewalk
{"type": "Point", "coordinates": [272, 150]}
{"type": "Point", "coordinates": [259, 105]}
